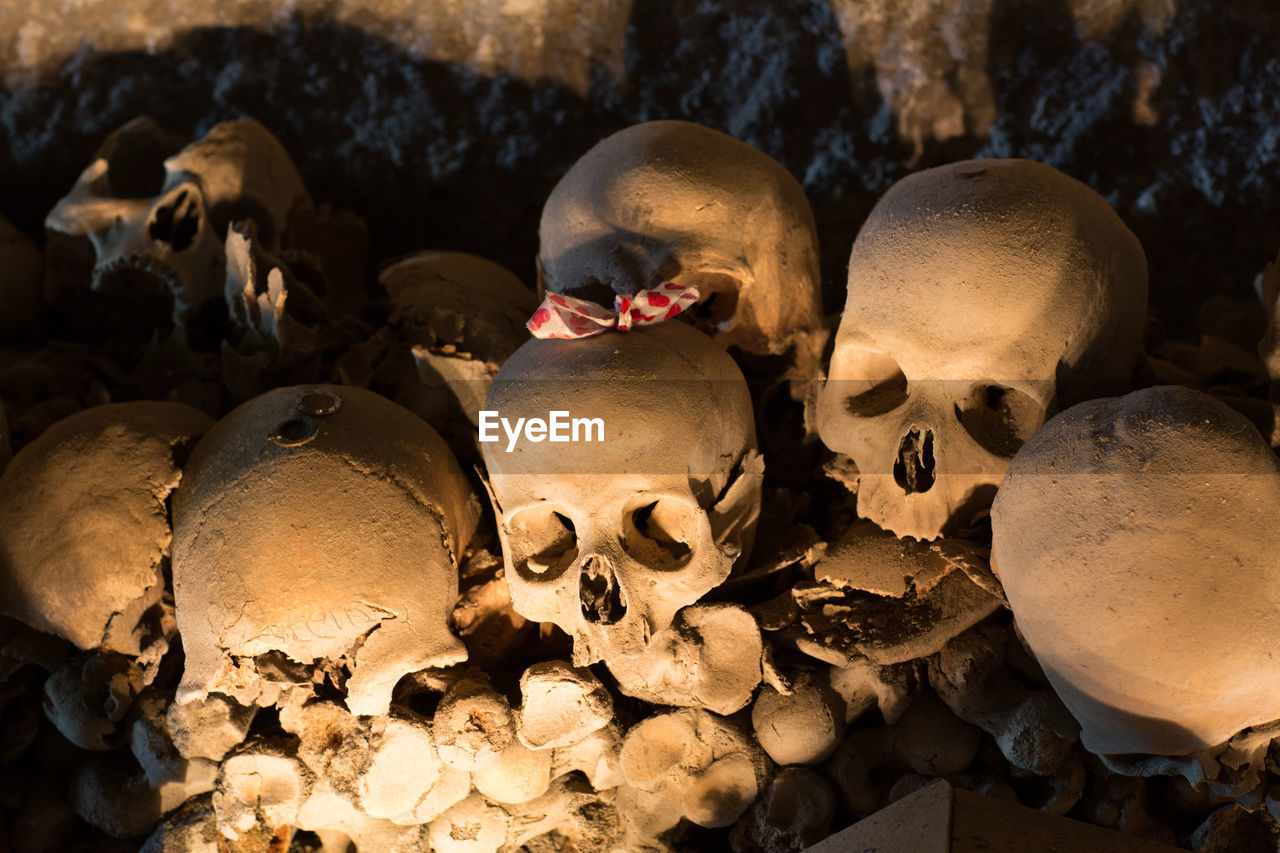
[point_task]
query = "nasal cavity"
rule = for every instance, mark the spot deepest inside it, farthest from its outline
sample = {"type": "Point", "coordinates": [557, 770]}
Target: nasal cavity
{"type": "Point", "coordinates": [602, 601]}
{"type": "Point", "coordinates": [177, 222]}
{"type": "Point", "coordinates": [913, 469]}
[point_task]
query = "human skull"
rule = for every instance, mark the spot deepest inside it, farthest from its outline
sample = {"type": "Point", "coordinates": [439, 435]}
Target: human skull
{"type": "Point", "coordinates": [84, 527]}
{"type": "Point", "coordinates": [324, 524]}
{"type": "Point", "coordinates": [609, 539]}
{"type": "Point", "coordinates": [461, 316]}
{"type": "Point", "coordinates": [675, 201]}
{"type": "Point", "coordinates": [127, 220]}
{"type": "Point", "coordinates": [1134, 538]}
{"type": "Point", "coordinates": [981, 295]}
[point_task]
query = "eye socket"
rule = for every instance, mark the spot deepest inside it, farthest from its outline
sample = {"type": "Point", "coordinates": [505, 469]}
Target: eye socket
{"type": "Point", "coordinates": [999, 419]}
{"type": "Point", "coordinates": [657, 533]}
{"type": "Point", "coordinates": [545, 541]}
{"type": "Point", "coordinates": [872, 382]}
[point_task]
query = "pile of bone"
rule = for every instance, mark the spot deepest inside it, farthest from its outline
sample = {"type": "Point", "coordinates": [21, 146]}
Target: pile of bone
{"type": "Point", "coordinates": [285, 595]}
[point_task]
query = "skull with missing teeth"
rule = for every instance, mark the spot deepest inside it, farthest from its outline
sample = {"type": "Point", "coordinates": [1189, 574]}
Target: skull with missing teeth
{"type": "Point", "coordinates": [981, 295]}
{"type": "Point", "coordinates": [609, 539]}
{"type": "Point", "coordinates": [672, 200]}
{"type": "Point", "coordinates": [148, 211]}
{"type": "Point", "coordinates": [318, 525]}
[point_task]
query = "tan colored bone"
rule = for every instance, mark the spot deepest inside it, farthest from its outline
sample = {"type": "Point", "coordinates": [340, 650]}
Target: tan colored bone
{"type": "Point", "coordinates": [644, 522]}
{"type": "Point", "coordinates": [358, 551]}
{"type": "Point", "coordinates": [84, 522]}
{"type": "Point", "coordinates": [561, 705]}
{"type": "Point", "coordinates": [801, 727]}
{"type": "Point", "coordinates": [473, 724]}
{"type": "Point", "coordinates": [980, 294]}
{"type": "Point", "coordinates": [1132, 537]}
{"type": "Point", "coordinates": [672, 200]}
{"type": "Point", "coordinates": [689, 764]}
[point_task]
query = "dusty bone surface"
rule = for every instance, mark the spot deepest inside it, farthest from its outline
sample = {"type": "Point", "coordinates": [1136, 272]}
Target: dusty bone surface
{"type": "Point", "coordinates": [435, 189]}
{"type": "Point", "coordinates": [1180, 571]}
{"type": "Point", "coordinates": [307, 454]}
{"type": "Point", "coordinates": [609, 539]}
{"type": "Point", "coordinates": [930, 391]}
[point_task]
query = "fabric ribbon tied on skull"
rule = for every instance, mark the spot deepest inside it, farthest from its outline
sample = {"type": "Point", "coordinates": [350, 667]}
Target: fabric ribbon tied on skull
{"type": "Point", "coordinates": [561, 316]}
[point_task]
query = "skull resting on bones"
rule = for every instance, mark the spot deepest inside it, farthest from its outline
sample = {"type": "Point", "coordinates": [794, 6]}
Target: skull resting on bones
{"type": "Point", "coordinates": [609, 539]}
{"type": "Point", "coordinates": [675, 201]}
{"type": "Point", "coordinates": [321, 523]}
{"type": "Point", "coordinates": [981, 295]}
{"type": "Point", "coordinates": [148, 210]}
{"type": "Point", "coordinates": [1135, 538]}
{"type": "Point", "coordinates": [84, 528]}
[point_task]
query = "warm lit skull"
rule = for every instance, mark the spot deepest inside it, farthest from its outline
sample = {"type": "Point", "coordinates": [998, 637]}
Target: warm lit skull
{"type": "Point", "coordinates": [981, 295]}
{"type": "Point", "coordinates": [318, 525]}
{"type": "Point", "coordinates": [675, 201]}
{"type": "Point", "coordinates": [149, 215]}
{"type": "Point", "coordinates": [608, 539]}
{"type": "Point", "coordinates": [1136, 540]}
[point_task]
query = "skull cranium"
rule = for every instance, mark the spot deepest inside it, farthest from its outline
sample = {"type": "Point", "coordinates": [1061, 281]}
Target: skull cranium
{"type": "Point", "coordinates": [610, 539]}
{"type": "Point", "coordinates": [672, 200]}
{"type": "Point", "coordinates": [981, 295]}
{"type": "Point", "coordinates": [149, 213]}
{"type": "Point", "coordinates": [324, 525]}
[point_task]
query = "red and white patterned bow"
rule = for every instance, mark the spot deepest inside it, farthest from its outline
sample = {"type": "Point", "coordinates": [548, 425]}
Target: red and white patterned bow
{"type": "Point", "coordinates": [561, 316]}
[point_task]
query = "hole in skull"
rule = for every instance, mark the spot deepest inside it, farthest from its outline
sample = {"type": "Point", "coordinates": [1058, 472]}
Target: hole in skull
{"type": "Point", "coordinates": [601, 596]}
{"type": "Point", "coordinates": [294, 432]}
{"type": "Point", "coordinates": [656, 533]}
{"type": "Point", "coordinates": [873, 381]}
{"type": "Point", "coordinates": [913, 469]}
{"type": "Point", "coordinates": [717, 304]}
{"type": "Point", "coordinates": [999, 419]}
{"type": "Point", "coordinates": [177, 221]}
{"type": "Point", "coordinates": [547, 540]}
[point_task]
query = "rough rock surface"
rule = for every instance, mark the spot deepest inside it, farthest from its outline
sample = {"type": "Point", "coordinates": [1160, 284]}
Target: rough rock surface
{"type": "Point", "coordinates": [420, 115]}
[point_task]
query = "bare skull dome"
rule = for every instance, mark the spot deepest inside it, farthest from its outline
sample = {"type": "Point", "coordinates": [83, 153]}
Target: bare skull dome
{"type": "Point", "coordinates": [673, 200]}
{"type": "Point", "coordinates": [320, 522]}
{"type": "Point", "coordinates": [1135, 539]}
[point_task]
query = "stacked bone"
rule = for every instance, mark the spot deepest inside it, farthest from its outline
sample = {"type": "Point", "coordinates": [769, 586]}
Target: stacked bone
{"type": "Point", "coordinates": [265, 605]}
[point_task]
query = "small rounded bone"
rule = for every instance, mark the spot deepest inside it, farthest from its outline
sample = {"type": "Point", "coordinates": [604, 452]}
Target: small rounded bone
{"type": "Point", "coordinates": [803, 727]}
{"type": "Point", "coordinates": [473, 724]}
{"type": "Point", "coordinates": [174, 778]}
{"type": "Point", "coordinates": [208, 728]}
{"type": "Point", "coordinates": [719, 795]}
{"type": "Point", "coordinates": [472, 826]}
{"type": "Point", "coordinates": [401, 771]}
{"type": "Point", "coordinates": [562, 705]}
{"type": "Point", "coordinates": [518, 775]}
{"type": "Point", "coordinates": [692, 764]}
{"type": "Point", "coordinates": [710, 657]}
{"type": "Point", "coordinates": [88, 697]}
{"type": "Point", "coordinates": [596, 757]}
{"type": "Point", "coordinates": [259, 788]}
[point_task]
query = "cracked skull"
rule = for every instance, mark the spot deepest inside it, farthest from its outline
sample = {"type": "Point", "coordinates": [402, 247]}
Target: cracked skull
{"type": "Point", "coordinates": [981, 295]}
{"type": "Point", "coordinates": [609, 536]}
{"type": "Point", "coordinates": [318, 525]}
{"type": "Point", "coordinates": [149, 215]}
{"type": "Point", "coordinates": [672, 200]}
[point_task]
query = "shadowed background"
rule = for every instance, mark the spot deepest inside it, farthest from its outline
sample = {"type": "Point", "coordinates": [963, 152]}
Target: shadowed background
{"type": "Point", "coordinates": [445, 124]}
